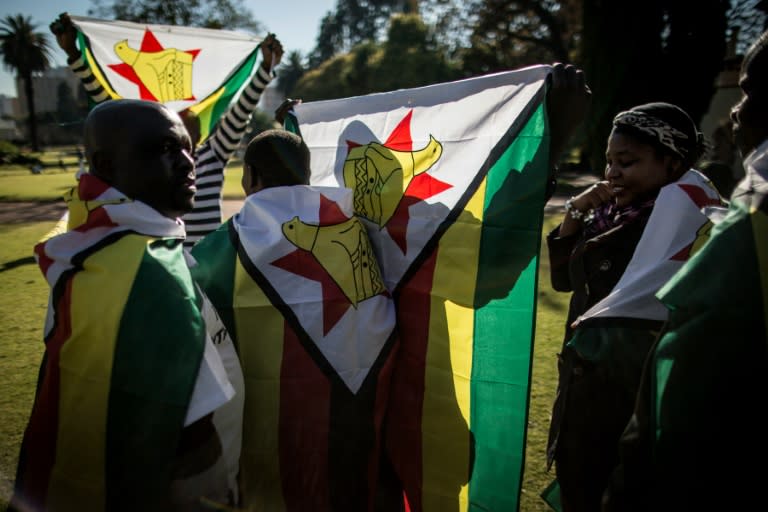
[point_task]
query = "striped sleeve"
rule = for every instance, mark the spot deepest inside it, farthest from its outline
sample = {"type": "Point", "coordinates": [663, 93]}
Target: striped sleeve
{"type": "Point", "coordinates": [209, 180]}
{"type": "Point", "coordinates": [95, 91]}
{"type": "Point", "coordinates": [231, 127]}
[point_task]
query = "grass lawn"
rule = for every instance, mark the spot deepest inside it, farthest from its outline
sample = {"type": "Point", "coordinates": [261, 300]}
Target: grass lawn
{"type": "Point", "coordinates": [23, 305]}
{"type": "Point", "coordinates": [17, 183]}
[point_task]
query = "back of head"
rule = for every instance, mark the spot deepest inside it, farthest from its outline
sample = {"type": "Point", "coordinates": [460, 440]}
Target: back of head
{"type": "Point", "coordinates": [278, 158]}
{"type": "Point", "coordinates": [665, 126]}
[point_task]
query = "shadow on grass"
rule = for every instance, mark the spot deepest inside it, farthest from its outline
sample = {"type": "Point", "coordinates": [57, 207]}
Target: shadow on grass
{"type": "Point", "coordinates": [9, 265]}
{"type": "Point", "coordinates": [548, 299]}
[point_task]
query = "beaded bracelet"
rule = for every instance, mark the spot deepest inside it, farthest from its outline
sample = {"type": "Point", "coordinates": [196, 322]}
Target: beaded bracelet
{"type": "Point", "coordinates": [575, 214]}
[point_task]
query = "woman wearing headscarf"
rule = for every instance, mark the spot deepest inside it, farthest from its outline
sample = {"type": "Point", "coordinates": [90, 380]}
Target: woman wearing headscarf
{"type": "Point", "coordinates": [619, 241]}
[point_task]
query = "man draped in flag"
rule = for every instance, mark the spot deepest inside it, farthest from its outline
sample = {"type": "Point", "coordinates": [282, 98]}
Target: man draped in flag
{"type": "Point", "coordinates": [450, 181]}
{"type": "Point", "coordinates": [619, 242]}
{"type": "Point", "coordinates": [130, 379]}
{"type": "Point", "coordinates": [297, 283]}
{"type": "Point", "coordinates": [696, 440]}
{"type": "Point", "coordinates": [219, 136]}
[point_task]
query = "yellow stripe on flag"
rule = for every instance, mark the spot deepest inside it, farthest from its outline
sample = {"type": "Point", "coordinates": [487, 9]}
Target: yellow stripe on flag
{"type": "Point", "coordinates": [446, 440]}
{"type": "Point", "coordinates": [204, 110]}
{"type": "Point", "coordinates": [96, 70]}
{"type": "Point", "coordinates": [260, 459]}
{"type": "Point", "coordinates": [78, 480]}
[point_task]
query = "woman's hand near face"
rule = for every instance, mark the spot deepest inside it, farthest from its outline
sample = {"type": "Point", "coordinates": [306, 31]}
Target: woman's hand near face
{"type": "Point", "coordinates": [593, 197]}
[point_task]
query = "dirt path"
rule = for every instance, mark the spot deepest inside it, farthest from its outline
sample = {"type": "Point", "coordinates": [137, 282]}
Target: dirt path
{"type": "Point", "coordinates": [31, 211]}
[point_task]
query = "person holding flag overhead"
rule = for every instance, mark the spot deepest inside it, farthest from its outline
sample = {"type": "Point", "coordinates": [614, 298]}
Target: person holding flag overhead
{"type": "Point", "coordinates": [213, 153]}
{"type": "Point", "coordinates": [122, 417]}
{"type": "Point", "coordinates": [695, 440]}
{"type": "Point", "coordinates": [618, 243]}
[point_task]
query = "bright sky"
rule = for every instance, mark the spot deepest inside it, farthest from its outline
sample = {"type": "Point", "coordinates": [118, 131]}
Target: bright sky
{"type": "Point", "coordinates": [296, 23]}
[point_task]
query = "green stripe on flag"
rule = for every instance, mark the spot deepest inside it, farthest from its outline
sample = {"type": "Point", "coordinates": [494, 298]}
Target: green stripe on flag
{"type": "Point", "coordinates": [216, 104]}
{"type": "Point", "coordinates": [215, 272]}
{"type": "Point", "coordinates": [157, 358]}
{"type": "Point", "coordinates": [504, 317]}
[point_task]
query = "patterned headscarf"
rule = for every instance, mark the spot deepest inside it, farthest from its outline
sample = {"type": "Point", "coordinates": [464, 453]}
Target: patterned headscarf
{"type": "Point", "coordinates": [667, 125]}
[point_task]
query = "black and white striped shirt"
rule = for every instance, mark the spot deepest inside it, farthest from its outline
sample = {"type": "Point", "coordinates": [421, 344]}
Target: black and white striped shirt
{"type": "Point", "coordinates": [210, 157]}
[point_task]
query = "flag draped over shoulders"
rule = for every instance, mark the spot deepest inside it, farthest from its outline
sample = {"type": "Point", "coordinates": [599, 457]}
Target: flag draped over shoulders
{"type": "Point", "coordinates": [124, 344]}
{"type": "Point", "coordinates": [676, 229]}
{"type": "Point", "coordinates": [183, 67]}
{"type": "Point", "coordinates": [450, 182]}
{"type": "Point", "coordinates": [296, 282]}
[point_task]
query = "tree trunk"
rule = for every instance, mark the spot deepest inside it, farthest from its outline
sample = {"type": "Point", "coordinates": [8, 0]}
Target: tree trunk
{"type": "Point", "coordinates": [32, 118]}
{"type": "Point", "coordinates": [622, 57]}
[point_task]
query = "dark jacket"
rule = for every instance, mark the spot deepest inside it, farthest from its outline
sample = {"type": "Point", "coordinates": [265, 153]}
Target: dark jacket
{"type": "Point", "coordinates": [594, 397]}
{"type": "Point", "coordinates": [590, 268]}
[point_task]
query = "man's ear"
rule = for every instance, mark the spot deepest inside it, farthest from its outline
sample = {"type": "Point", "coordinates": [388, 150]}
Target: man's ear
{"type": "Point", "coordinates": [101, 167]}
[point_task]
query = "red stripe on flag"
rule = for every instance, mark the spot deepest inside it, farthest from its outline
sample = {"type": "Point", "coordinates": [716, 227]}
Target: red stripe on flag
{"type": "Point", "coordinates": [380, 408]}
{"type": "Point", "coordinates": [699, 196]}
{"type": "Point", "coordinates": [98, 218]}
{"type": "Point", "coordinates": [404, 441]}
{"type": "Point", "coordinates": [90, 187]}
{"type": "Point", "coordinates": [42, 259]}
{"type": "Point", "coordinates": [39, 448]}
{"type": "Point", "coordinates": [305, 395]}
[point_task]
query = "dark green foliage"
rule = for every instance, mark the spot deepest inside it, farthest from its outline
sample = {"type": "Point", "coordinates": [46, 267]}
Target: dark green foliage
{"type": "Point", "coordinates": [290, 72]}
{"type": "Point", "coordinates": [227, 14]}
{"type": "Point", "coordinates": [408, 58]}
{"type": "Point", "coordinates": [24, 51]}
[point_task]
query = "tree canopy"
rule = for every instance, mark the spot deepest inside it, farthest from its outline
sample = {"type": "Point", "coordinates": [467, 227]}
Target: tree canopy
{"type": "Point", "coordinates": [25, 51]}
{"type": "Point", "coordinates": [227, 14]}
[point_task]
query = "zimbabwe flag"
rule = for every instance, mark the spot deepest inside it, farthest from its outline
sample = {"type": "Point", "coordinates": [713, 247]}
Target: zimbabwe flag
{"type": "Point", "coordinates": [295, 280]}
{"type": "Point", "coordinates": [124, 341]}
{"type": "Point", "coordinates": [450, 181]}
{"type": "Point", "coordinates": [183, 67]}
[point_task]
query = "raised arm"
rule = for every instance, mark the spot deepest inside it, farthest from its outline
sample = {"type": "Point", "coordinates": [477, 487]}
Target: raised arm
{"type": "Point", "coordinates": [232, 125]}
{"type": "Point", "coordinates": [66, 37]}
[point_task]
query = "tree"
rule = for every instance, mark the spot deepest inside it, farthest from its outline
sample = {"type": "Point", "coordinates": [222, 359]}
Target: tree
{"type": "Point", "coordinates": [229, 14]}
{"type": "Point", "coordinates": [659, 53]}
{"type": "Point", "coordinates": [354, 22]}
{"type": "Point", "coordinates": [290, 73]}
{"type": "Point", "coordinates": [512, 34]}
{"type": "Point", "coordinates": [409, 58]}
{"type": "Point", "coordinates": [26, 52]}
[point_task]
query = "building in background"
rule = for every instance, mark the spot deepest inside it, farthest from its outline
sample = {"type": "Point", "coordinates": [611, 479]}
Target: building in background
{"type": "Point", "coordinates": [8, 113]}
{"type": "Point", "coordinates": [60, 106]}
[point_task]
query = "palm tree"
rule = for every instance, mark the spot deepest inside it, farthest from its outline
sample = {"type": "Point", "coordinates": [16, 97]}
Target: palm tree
{"type": "Point", "coordinates": [24, 51]}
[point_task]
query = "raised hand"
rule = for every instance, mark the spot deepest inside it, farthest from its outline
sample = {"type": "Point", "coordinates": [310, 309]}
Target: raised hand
{"type": "Point", "coordinates": [271, 52]}
{"type": "Point", "coordinates": [66, 35]}
{"type": "Point", "coordinates": [568, 102]}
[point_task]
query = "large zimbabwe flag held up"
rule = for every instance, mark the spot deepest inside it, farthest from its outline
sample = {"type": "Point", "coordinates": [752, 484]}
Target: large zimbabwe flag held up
{"type": "Point", "coordinates": [124, 343]}
{"type": "Point", "coordinates": [183, 67]}
{"type": "Point", "coordinates": [295, 281]}
{"type": "Point", "coordinates": [450, 181]}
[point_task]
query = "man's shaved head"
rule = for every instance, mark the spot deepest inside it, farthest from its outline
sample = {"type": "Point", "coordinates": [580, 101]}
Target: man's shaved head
{"type": "Point", "coordinates": [142, 149]}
